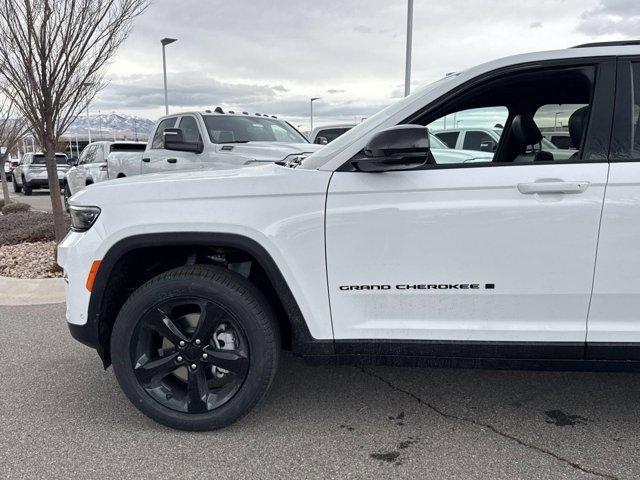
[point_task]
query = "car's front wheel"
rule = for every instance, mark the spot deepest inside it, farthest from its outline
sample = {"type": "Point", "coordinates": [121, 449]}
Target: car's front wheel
{"type": "Point", "coordinates": [195, 348]}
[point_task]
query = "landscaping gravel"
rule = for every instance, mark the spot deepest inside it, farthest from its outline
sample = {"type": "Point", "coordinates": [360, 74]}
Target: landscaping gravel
{"type": "Point", "coordinates": [29, 260]}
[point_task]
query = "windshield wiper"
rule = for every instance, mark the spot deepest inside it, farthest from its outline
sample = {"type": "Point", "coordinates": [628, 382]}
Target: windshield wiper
{"type": "Point", "coordinates": [236, 141]}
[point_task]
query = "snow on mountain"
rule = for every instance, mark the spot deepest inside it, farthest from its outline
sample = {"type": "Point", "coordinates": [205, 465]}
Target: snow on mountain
{"type": "Point", "coordinates": [106, 125]}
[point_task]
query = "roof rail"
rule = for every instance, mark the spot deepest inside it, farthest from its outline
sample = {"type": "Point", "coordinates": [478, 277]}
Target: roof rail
{"type": "Point", "coordinates": [219, 110]}
{"type": "Point", "coordinates": [620, 43]}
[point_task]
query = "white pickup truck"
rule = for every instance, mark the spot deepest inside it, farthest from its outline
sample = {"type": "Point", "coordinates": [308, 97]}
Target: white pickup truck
{"type": "Point", "coordinates": [374, 249]}
{"type": "Point", "coordinates": [213, 140]}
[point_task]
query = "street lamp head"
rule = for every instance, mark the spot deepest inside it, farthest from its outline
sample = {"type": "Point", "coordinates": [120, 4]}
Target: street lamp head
{"type": "Point", "coordinates": [313, 99]}
{"type": "Point", "coordinates": [166, 41]}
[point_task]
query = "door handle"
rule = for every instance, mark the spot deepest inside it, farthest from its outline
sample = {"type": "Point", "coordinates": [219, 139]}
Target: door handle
{"type": "Point", "coordinates": [552, 187]}
{"type": "Point", "coordinates": [172, 160]}
{"type": "Point", "coordinates": [146, 160]}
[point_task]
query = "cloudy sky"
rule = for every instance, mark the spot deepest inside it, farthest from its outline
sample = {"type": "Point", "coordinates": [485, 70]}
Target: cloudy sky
{"type": "Point", "coordinates": [271, 56]}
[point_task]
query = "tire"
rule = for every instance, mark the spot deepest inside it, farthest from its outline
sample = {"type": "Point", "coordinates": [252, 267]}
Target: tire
{"type": "Point", "coordinates": [16, 188]}
{"type": "Point", "coordinates": [66, 195]}
{"type": "Point", "coordinates": [241, 309]}
{"type": "Point", "coordinates": [27, 190]}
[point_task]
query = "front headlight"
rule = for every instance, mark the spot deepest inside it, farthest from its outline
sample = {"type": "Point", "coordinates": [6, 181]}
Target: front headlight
{"type": "Point", "coordinates": [83, 217]}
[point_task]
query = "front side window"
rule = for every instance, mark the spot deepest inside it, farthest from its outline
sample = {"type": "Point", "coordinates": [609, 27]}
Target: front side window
{"type": "Point", "coordinates": [158, 141]}
{"type": "Point", "coordinates": [330, 134]}
{"type": "Point", "coordinates": [449, 138]}
{"type": "Point", "coordinates": [190, 130]}
{"type": "Point", "coordinates": [237, 129]}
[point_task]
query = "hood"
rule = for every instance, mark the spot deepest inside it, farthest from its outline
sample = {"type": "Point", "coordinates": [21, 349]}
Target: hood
{"type": "Point", "coordinates": [267, 179]}
{"type": "Point", "coordinates": [267, 151]}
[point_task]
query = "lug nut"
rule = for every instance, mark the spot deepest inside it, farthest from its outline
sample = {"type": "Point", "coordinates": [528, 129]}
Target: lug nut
{"type": "Point", "coordinates": [179, 359]}
{"type": "Point", "coordinates": [198, 341]}
{"type": "Point", "coordinates": [182, 343]}
{"type": "Point", "coordinates": [205, 356]}
{"type": "Point", "coordinates": [193, 366]}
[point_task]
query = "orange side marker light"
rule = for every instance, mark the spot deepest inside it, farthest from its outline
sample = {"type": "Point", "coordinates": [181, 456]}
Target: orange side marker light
{"type": "Point", "coordinates": [92, 274]}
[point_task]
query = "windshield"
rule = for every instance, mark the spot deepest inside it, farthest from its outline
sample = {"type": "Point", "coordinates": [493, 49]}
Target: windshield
{"type": "Point", "coordinates": [39, 160]}
{"type": "Point", "coordinates": [236, 129]}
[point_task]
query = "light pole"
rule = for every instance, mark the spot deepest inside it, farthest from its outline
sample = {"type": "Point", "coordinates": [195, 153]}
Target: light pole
{"type": "Point", "coordinates": [87, 85]}
{"type": "Point", "coordinates": [165, 42]}
{"type": "Point", "coordinates": [311, 103]}
{"type": "Point", "coordinates": [407, 69]}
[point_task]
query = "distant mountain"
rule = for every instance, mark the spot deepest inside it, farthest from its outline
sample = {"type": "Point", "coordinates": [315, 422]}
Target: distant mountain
{"type": "Point", "coordinates": [106, 125]}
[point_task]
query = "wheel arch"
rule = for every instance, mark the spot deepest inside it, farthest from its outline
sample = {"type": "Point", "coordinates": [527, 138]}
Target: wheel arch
{"type": "Point", "coordinates": [111, 289]}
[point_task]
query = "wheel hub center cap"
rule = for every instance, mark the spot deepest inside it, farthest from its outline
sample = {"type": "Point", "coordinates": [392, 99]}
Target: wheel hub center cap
{"type": "Point", "coordinates": [193, 353]}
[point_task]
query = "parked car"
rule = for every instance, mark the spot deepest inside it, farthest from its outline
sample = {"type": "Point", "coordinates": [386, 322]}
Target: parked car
{"type": "Point", "coordinates": [31, 172]}
{"type": "Point", "coordinates": [487, 139]}
{"type": "Point", "coordinates": [372, 251]}
{"type": "Point", "coordinates": [561, 140]}
{"type": "Point", "coordinates": [9, 165]}
{"type": "Point", "coordinates": [219, 140]}
{"type": "Point", "coordinates": [102, 161]}
{"type": "Point", "coordinates": [328, 133]}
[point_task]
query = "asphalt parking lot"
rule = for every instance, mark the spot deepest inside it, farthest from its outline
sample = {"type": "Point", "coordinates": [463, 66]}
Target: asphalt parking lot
{"type": "Point", "coordinates": [39, 200]}
{"type": "Point", "coordinates": [62, 416]}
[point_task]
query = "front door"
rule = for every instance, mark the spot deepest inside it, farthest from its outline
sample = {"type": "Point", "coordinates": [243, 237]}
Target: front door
{"type": "Point", "coordinates": [501, 251]}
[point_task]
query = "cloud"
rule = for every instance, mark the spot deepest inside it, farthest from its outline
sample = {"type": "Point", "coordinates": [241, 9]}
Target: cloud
{"type": "Point", "coordinates": [611, 17]}
{"type": "Point", "coordinates": [535, 25]}
{"type": "Point", "coordinates": [334, 91]}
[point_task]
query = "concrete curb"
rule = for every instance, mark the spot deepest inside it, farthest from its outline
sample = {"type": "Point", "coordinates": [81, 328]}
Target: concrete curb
{"type": "Point", "coordinates": [23, 291]}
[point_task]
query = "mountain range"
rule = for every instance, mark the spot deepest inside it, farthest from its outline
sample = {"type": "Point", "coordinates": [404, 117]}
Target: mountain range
{"type": "Point", "coordinates": [110, 124]}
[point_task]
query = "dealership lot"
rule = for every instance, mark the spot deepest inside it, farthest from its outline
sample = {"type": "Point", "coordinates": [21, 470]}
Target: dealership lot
{"type": "Point", "coordinates": [62, 415]}
{"type": "Point", "coordinates": [39, 200]}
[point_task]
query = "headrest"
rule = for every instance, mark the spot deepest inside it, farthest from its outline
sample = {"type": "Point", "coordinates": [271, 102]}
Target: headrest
{"type": "Point", "coordinates": [577, 123]}
{"type": "Point", "coordinates": [525, 130]}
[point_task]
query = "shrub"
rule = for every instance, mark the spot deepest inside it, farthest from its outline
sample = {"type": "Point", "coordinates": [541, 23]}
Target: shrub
{"type": "Point", "coordinates": [15, 208]}
{"type": "Point", "coordinates": [27, 227]}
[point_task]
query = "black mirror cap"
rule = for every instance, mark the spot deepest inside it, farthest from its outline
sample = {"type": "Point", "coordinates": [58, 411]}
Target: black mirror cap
{"type": "Point", "coordinates": [173, 139]}
{"type": "Point", "coordinates": [402, 147]}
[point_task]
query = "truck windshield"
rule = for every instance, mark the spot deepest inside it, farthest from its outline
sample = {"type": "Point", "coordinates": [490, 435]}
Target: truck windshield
{"type": "Point", "coordinates": [39, 160]}
{"type": "Point", "coordinates": [236, 129]}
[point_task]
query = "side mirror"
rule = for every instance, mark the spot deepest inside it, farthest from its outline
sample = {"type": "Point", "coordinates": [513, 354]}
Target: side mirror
{"type": "Point", "coordinates": [72, 162]}
{"type": "Point", "coordinates": [173, 139]}
{"type": "Point", "coordinates": [321, 140]}
{"type": "Point", "coordinates": [488, 146]}
{"type": "Point", "coordinates": [403, 147]}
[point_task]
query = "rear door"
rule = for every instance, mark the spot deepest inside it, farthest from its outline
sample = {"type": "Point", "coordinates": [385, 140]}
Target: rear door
{"type": "Point", "coordinates": [614, 317]}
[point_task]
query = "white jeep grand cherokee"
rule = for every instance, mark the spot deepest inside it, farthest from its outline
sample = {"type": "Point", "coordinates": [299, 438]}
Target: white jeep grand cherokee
{"type": "Point", "coordinates": [372, 251]}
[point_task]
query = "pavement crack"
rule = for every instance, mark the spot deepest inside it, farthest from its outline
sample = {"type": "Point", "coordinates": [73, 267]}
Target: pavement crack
{"type": "Point", "coordinates": [490, 427]}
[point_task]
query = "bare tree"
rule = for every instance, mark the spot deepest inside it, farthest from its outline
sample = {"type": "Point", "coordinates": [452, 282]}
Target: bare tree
{"type": "Point", "coordinates": [52, 58]}
{"type": "Point", "coordinates": [12, 129]}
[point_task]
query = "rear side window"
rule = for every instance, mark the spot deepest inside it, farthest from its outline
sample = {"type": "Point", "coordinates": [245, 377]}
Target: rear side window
{"type": "Point", "coordinates": [625, 143]}
{"type": "Point", "coordinates": [162, 126]}
{"type": "Point", "coordinates": [478, 140]}
{"type": "Point", "coordinates": [448, 138]}
{"type": "Point", "coordinates": [40, 160]}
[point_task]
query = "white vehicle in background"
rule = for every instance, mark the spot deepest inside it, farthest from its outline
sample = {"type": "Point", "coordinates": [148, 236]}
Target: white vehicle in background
{"type": "Point", "coordinates": [102, 161]}
{"type": "Point", "coordinates": [213, 140]}
{"type": "Point", "coordinates": [561, 140]}
{"type": "Point", "coordinates": [31, 172]}
{"type": "Point", "coordinates": [328, 133]}
{"type": "Point", "coordinates": [487, 139]}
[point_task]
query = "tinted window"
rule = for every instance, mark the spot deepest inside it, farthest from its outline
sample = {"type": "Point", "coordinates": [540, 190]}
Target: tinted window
{"type": "Point", "coordinates": [40, 160]}
{"type": "Point", "coordinates": [330, 134]}
{"type": "Point", "coordinates": [477, 140]}
{"type": "Point", "coordinates": [157, 137]}
{"type": "Point", "coordinates": [236, 129]}
{"type": "Point", "coordinates": [127, 147]}
{"type": "Point", "coordinates": [190, 130]}
{"type": "Point", "coordinates": [626, 135]}
{"type": "Point", "coordinates": [449, 138]}
{"type": "Point", "coordinates": [562, 142]}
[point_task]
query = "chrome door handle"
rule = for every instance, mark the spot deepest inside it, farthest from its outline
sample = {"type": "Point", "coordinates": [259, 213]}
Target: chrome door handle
{"type": "Point", "coordinates": [146, 160]}
{"type": "Point", "coordinates": [552, 187]}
